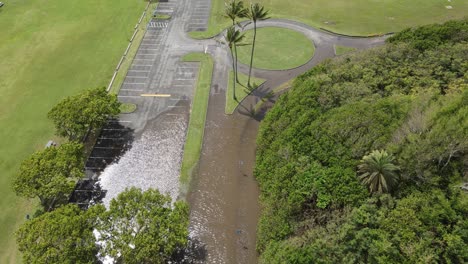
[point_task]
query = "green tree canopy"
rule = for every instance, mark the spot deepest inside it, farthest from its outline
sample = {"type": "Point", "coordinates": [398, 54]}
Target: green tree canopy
{"type": "Point", "coordinates": [403, 97]}
{"type": "Point", "coordinates": [64, 235]}
{"type": "Point", "coordinates": [89, 110]}
{"type": "Point", "coordinates": [51, 174]}
{"type": "Point", "coordinates": [431, 36]}
{"type": "Point", "coordinates": [143, 227]}
{"type": "Point", "coordinates": [378, 172]}
{"type": "Point", "coordinates": [235, 9]}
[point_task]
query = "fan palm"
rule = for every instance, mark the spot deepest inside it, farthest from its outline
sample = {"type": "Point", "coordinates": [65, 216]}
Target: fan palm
{"type": "Point", "coordinates": [378, 172]}
{"type": "Point", "coordinates": [255, 13]}
{"type": "Point", "coordinates": [233, 37]}
{"type": "Point", "coordinates": [233, 10]}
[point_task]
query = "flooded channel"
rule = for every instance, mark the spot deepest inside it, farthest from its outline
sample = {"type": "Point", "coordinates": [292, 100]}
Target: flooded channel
{"type": "Point", "coordinates": [224, 193]}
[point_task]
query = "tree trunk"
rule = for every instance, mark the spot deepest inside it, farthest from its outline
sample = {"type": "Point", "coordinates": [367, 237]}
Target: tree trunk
{"type": "Point", "coordinates": [252, 53]}
{"type": "Point", "coordinates": [235, 53]}
{"type": "Point", "coordinates": [234, 75]}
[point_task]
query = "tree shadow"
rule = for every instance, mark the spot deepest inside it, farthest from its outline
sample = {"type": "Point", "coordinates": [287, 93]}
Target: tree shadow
{"type": "Point", "coordinates": [194, 252]}
{"type": "Point", "coordinates": [87, 192]}
{"type": "Point", "coordinates": [264, 98]}
{"type": "Point", "coordinates": [113, 141]}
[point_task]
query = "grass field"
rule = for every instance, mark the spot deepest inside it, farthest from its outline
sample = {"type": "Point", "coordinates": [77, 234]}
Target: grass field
{"type": "Point", "coordinates": [196, 129]}
{"type": "Point", "coordinates": [340, 50]}
{"type": "Point", "coordinates": [276, 49]}
{"type": "Point", "coordinates": [356, 17]}
{"type": "Point", "coordinates": [49, 49]}
{"type": "Point", "coordinates": [241, 91]}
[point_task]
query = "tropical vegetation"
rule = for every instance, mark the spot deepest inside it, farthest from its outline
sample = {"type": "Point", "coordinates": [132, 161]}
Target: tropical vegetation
{"type": "Point", "coordinates": [234, 10]}
{"type": "Point", "coordinates": [143, 227]}
{"type": "Point", "coordinates": [138, 227]}
{"type": "Point", "coordinates": [233, 38]}
{"type": "Point", "coordinates": [51, 174]}
{"type": "Point", "coordinates": [255, 13]}
{"type": "Point", "coordinates": [363, 159]}
{"type": "Point", "coordinates": [77, 115]}
{"type": "Point", "coordinates": [61, 236]}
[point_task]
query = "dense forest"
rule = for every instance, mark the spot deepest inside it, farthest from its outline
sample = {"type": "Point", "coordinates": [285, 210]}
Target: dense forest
{"type": "Point", "coordinates": [364, 159]}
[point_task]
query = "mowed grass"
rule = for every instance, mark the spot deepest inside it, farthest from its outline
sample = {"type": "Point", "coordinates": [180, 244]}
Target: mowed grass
{"type": "Point", "coordinates": [276, 49]}
{"type": "Point", "coordinates": [356, 17]}
{"type": "Point", "coordinates": [241, 91]}
{"type": "Point", "coordinates": [49, 49]}
{"type": "Point", "coordinates": [340, 50]}
{"type": "Point", "coordinates": [196, 128]}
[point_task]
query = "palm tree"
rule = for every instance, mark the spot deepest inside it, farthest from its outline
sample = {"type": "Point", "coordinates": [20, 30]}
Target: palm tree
{"type": "Point", "coordinates": [255, 13]}
{"type": "Point", "coordinates": [233, 10]}
{"type": "Point", "coordinates": [378, 172]}
{"type": "Point", "coordinates": [233, 37]}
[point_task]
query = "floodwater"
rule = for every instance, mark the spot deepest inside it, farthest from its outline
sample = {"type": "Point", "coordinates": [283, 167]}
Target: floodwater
{"type": "Point", "coordinates": [154, 158]}
{"type": "Point", "coordinates": [224, 193]}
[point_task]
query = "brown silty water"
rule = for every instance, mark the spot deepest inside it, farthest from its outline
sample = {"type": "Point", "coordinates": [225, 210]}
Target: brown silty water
{"type": "Point", "coordinates": [224, 193]}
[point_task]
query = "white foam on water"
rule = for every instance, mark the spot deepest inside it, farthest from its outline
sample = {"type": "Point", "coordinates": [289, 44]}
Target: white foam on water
{"type": "Point", "coordinates": [153, 161]}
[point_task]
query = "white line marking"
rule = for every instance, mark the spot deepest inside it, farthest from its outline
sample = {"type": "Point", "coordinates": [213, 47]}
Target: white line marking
{"type": "Point", "coordinates": [194, 67]}
{"type": "Point", "coordinates": [132, 90]}
{"type": "Point", "coordinates": [137, 71]}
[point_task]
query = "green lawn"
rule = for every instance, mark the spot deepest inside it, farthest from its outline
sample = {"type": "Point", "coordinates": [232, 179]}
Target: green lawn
{"type": "Point", "coordinates": [276, 49]}
{"type": "Point", "coordinates": [196, 128]}
{"type": "Point", "coordinates": [356, 17]}
{"type": "Point", "coordinates": [241, 91]}
{"type": "Point", "coordinates": [127, 108]}
{"type": "Point", "coordinates": [340, 50]}
{"type": "Point", "coordinates": [49, 49]}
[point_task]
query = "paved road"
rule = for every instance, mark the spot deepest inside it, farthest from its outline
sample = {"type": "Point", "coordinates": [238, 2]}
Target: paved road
{"type": "Point", "coordinates": [145, 148]}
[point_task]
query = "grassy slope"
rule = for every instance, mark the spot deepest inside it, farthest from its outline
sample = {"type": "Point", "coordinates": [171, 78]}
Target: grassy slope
{"type": "Point", "coordinates": [276, 49]}
{"type": "Point", "coordinates": [241, 91]}
{"type": "Point", "coordinates": [49, 49]}
{"type": "Point", "coordinates": [356, 17]}
{"type": "Point", "coordinates": [196, 129]}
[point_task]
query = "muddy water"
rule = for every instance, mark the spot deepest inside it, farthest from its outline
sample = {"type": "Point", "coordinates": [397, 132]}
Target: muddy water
{"type": "Point", "coordinates": [224, 193]}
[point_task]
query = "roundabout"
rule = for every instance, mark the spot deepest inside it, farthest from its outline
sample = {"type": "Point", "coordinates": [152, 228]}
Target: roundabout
{"type": "Point", "coordinates": [276, 49]}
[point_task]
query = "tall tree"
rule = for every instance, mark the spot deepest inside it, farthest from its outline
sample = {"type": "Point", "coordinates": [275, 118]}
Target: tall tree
{"type": "Point", "coordinates": [51, 174]}
{"type": "Point", "coordinates": [76, 115]}
{"type": "Point", "coordinates": [62, 236]}
{"type": "Point", "coordinates": [378, 172]}
{"type": "Point", "coordinates": [143, 227]}
{"type": "Point", "coordinates": [255, 13]}
{"type": "Point", "coordinates": [233, 10]}
{"type": "Point", "coordinates": [234, 37]}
